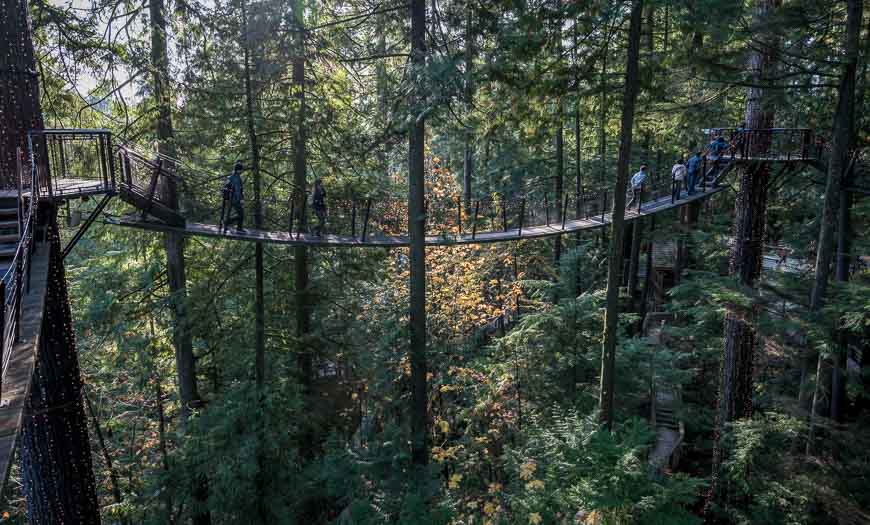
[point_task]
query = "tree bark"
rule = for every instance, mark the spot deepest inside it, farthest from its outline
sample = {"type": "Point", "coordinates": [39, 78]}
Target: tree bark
{"type": "Point", "coordinates": [263, 513]}
{"type": "Point", "coordinates": [20, 109]}
{"type": "Point", "coordinates": [842, 141]}
{"type": "Point", "coordinates": [182, 339]}
{"type": "Point", "coordinates": [735, 378]}
{"type": "Point", "coordinates": [611, 316]}
{"type": "Point", "coordinates": [56, 463]}
{"type": "Point", "coordinates": [634, 256]}
{"type": "Point", "coordinates": [560, 143]}
{"type": "Point", "coordinates": [468, 155]}
{"type": "Point", "coordinates": [300, 167]}
{"type": "Point", "coordinates": [417, 234]}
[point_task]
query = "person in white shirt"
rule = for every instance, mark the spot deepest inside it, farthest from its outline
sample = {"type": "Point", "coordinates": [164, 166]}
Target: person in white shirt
{"type": "Point", "coordinates": [637, 185]}
{"type": "Point", "coordinates": [678, 175]}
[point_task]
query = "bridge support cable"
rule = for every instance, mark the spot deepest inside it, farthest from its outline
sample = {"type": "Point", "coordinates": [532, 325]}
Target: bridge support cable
{"type": "Point", "coordinates": [86, 225]}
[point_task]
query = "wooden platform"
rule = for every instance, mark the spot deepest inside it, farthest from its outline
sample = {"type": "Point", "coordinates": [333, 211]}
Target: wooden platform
{"type": "Point", "coordinates": [18, 369]}
{"type": "Point", "coordinates": [398, 241]}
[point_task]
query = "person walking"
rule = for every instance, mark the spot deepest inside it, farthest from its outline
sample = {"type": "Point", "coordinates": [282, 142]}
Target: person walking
{"type": "Point", "coordinates": [318, 202]}
{"type": "Point", "coordinates": [678, 175]}
{"type": "Point", "coordinates": [234, 193]}
{"type": "Point", "coordinates": [693, 166]}
{"type": "Point", "coordinates": [637, 186]}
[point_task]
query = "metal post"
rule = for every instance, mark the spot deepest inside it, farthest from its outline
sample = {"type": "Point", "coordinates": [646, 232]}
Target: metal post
{"type": "Point", "coordinates": [365, 229]}
{"type": "Point", "coordinates": [564, 211]}
{"type": "Point", "coordinates": [547, 206]}
{"type": "Point", "coordinates": [111, 163]}
{"type": "Point", "coordinates": [504, 213]}
{"type": "Point", "coordinates": [3, 349]}
{"type": "Point", "coordinates": [20, 200]}
{"type": "Point", "coordinates": [459, 213]}
{"type": "Point", "coordinates": [353, 219]}
{"type": "Point", "coordinates": [303, 219]}
{"type": "Point", "coordinates": [104, 160]}
{"type": "Point", "coordinates": [474, 224]}
{"type": "Point", "coordinates": [522, 213]}
{"type": "Point", "coordinates": [292, 213]}
{"type": "Point", "coordinates": [603, 205]}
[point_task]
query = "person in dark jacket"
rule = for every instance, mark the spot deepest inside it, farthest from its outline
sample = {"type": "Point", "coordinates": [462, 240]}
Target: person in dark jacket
{"type": "Point", "coordinates": [236, 196]}
{"type": "Point", "coordinates": [693, 166]}
{"type": "Point", "coordinates": [318, 202]}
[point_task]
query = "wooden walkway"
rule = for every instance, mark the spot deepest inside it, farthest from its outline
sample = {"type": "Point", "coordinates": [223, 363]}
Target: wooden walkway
{"type": "Point", "coordinates": [397, 241]}
{"type": "Point", "coordinates": [18, 371]}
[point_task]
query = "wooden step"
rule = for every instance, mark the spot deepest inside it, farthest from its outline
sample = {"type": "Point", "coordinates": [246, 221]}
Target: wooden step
{"type": "Point", "coordinates": [9, 238]}
{"type": "Point", "coordinates": [8, 225]}
{"type": "Point", "coordinates": [8, 212]}
{"type": "Point", "coordinates": [8, 250]}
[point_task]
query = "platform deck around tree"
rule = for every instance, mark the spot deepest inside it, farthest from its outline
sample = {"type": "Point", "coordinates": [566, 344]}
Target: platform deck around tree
{"type": "Point", "coordinates": [398, 241]}
{"type": "Point", "coordinates": [19, 367]}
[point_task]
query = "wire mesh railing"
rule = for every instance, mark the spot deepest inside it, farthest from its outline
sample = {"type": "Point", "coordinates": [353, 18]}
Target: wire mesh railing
{"type": "Point", "coordinates": [15, 283]}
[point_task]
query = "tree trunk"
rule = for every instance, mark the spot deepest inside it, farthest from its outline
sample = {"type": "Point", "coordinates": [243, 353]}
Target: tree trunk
{"type": "Point", "coordinates": [842, 141]}
{"type": "Point", "coordinates": [300, 170]}
{"type": "Point", "coordinates": [468, 158]}
{"type": "Point", "coordinates": [735, 379]}
{"type": "Point", "coordinates": [602, 112]}
{"type": "Point", "coordinates": [560, 143]}
{"type": "Point", "coordinates": [56, 463]}
{"type": "Point", "coordinates": [182, 340]}
{"type": "Point", "coordinates": [611, 316]}
{"type": "Point", "coordinates": [634, 256]}
{"type": "Point", "coordinates": [263, 514]}
{"type": "Point", "coordinates": [417, 234]}
{"type": "Point", "coordinates": [20, 110]}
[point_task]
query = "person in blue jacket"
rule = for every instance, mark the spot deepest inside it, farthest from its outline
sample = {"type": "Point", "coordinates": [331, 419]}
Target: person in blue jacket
{"type": "Point", "coordinates": [693, 166]}
{"type": "Point", "coordinates": [236, 195]}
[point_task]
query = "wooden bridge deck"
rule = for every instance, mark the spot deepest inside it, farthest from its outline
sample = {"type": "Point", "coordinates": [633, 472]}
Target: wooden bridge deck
{"type": "Point", "coordinates": [398, 241]}
{"type": "Point", "coordinates": [19, 368]}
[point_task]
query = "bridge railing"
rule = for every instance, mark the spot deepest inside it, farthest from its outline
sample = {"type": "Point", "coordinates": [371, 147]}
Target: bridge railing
{"type": "Point", "coordinates": [15, 283]}
{"type": "Point", "coordinates": [766, 144]}
{"type": "Point", "coordinates": [78, 161]}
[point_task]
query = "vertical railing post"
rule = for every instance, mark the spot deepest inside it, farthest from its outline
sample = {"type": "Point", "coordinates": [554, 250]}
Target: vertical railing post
{"type": "Point", "coordinates": [564, 211]}
{"type": "Point", "coordinates": [522, 214]}
{"type": "Point", "coordinates": [353, 219]}
{"type": "Point", "coordinates": [365, 229]}
{"type": "Point", "coordinates": [292, 212]}
{"type": "Point", "coordinates": [104, 159]}
{"type": "Point", "coordinates": [474, 224]}
{"type": "Point", "coordinates": [603, 205]}
{"type": "Point", "coordinates": [111, 162]}
{"type": "Point", "coordinates": [547, 206]}
{"type": "Point", "coordinates": [459, 213]}
{"type": "Point", "coordinates": [20, 174]}
{"type": "Point", "coordinates": [3, 349]}
{"type": "Point", "coordinates": [504, 213]}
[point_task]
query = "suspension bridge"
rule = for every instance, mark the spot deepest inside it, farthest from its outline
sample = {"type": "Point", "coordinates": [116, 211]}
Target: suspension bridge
{"type": "Point", "coordinates": [167, 196]}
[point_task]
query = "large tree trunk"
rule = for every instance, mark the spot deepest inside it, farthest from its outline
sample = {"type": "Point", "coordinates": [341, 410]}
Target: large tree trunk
{"type": "Point", "coordinates": [417, 234]}
{"type": "Point", "coordinates": [300, 167]}
{"type": "Point", "coordinates": [560, 142]}
{"type": "Point", "coordinates": [173, 243]}
{"type": "Point", "coordinates": [20, 111]}
{"type": "Point", "coordinates": [468, 154]}
{"type": "Point", "coordinates": [735, 378]}
{"type": "Point", "coordinates": [263, 513]}
{"type": "Point", "coordinates": [842, 141]}
{"type": "Point", "coordinates": [55, 452]}
{"type": "Point", "coordinates": [611, 316]}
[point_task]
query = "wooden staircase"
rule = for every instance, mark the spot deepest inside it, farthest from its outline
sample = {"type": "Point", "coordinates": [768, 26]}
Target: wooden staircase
{"type": "Point", "coordinates": [9, 234]}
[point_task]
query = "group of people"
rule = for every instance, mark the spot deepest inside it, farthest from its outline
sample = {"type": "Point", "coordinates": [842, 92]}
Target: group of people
{"type": "Point", "coordinates": [685, 174]}
{"type": "Point", "coordinates": [234, 197]}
